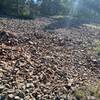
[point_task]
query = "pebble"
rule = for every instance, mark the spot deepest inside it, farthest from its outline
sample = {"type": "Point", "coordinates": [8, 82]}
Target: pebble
{"type": "Point", "coordinates": [27, 91]}
{"type": "Point", "coordinates": [70, 82]}
{"type": "Point", "coordinates": [16, 98]}
{"type": "Point", "coordinates": [29, 85]}
{"type": "Point", "coordinates": [10, 96]}
{"type": "Point", "coordinates": [7, 86]}
{"type": "Point", "coordinates": [1, 65]}
{"type": "Point", "coordinates": [1, 88]}
{"type": "Point", "coordinates": [10, 91]}
{"type": "Point", "coordinates": [30, 42]}
{"type": "Point", "coordinates": [20, 94]}
{"type": "Point", "coordinates": [91, 98]}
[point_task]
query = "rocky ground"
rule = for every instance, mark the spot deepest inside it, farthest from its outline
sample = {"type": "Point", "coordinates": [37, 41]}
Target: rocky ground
{"type": "Point", "coordinates": [38, 63]}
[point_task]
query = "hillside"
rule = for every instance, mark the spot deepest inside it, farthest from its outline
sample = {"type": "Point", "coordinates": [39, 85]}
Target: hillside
{"type": "Point", "coordinates": [44, 59]}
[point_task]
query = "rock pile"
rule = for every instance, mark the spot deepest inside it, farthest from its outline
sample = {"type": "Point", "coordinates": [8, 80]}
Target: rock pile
{"type": "Point", "coordinates": [8, 38]}
{"type": "Point", "coordinates": [40, 66]}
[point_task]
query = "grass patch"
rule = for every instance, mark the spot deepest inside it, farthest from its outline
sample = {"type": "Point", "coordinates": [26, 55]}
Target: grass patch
{"type": "Point", "coordinates": [97, 47]}
{"type": "Point", "coordinates": [80, 94]}
{"type": "Point", "coordinates": [92, 26]}
{"type": "Point", "coordinates": [89, 91]}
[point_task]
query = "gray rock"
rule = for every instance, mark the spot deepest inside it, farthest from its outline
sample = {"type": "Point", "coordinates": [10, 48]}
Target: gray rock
{"type": "Point", "coordinates": [29, 85]}
{"type": "Point", "coordinates": [30, 42]}
{"type": "Point", "coordinates": [20, 94]}
{"type": "Point", "coordinates": [1, 88]}
{"type": "Point", "coordinates": [91, 98]}
{"type": "Point", "coordinates": [10, 91]}
{"type": "Point", "coordinates": [70, 82]}
{"type": "Point", "coordinates": [21, 99]}
{"type": "Point", "coordinates": [16, 98]}
{"type": "Point", "coordinates": [27, 91]}
{"type": "Point", "coordinates": [1, 65]}
{"type": "Point", "coordinates": [10, 97]}
{"type": "Point", "coordinates": [7, 86]}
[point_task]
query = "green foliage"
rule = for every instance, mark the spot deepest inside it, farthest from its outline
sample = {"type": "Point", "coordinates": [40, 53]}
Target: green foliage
{"type": "Point", "coordinates": [90, 90]}
{"type": "Point", "coordinates": [97, 47]}
{"type": "Point", "coordinates": [24, 12]}
{"type": "Point", "coordinates": [95, 90]}
{"type": "Point", "coordinates": [80, 94]}
{"type": "Point", "coordinates": [15, 7]}
{"type": "Point", "coordinates": [51, 7]}
{"type": "Point", "coordinates": [85, 8]}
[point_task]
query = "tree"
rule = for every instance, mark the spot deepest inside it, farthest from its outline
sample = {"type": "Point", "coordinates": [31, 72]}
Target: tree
{"type": "Point", "coordinates": [29, 8]}
{"type": "Point", "coordinates": [51, 7]}
{"type": "Point", "coordinates": [15, 7]}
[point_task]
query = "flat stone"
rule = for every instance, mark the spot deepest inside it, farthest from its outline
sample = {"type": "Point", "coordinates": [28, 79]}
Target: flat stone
{"type": "Point", "coordinates": [27, 91]}
{"type": "Point", "coordinates": [30, 42]}
{"type": "Point", "coordinates": [1, 88]}
{"type": "Point", "coordinates": [10, 91]}
{"type": "Point", "coordinates": [1, 65]}
{"type": "Point", "coordinates": [91, 98]}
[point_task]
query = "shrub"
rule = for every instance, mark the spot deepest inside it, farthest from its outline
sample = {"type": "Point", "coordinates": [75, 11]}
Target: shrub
{"type": "Point", "coordinates": [97, 47]}
{"type": "Point", "coordinates": [80, 94]}
{"type": "Point", "coordinates": [25, 13]}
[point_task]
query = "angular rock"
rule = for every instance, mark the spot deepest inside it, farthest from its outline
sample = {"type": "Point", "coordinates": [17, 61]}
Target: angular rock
{"type": "Point", "coordinates": [1, 88]}
{"type": "Point", "coordinates": [29, 85]}
{"type": "Point", "coordinates": [10, 96]}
